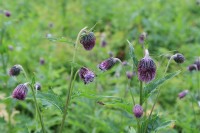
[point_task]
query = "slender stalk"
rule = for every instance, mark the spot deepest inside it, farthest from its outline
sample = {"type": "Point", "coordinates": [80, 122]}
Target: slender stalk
{"type": "Point", "coordinates": [156, 100]}
{"type": "Point", "coordinates": [138, 125]}
{"type": "Point", "coordinates": [37, 107]}
{"type": "Point", "coordinates": [131, 92]}
{"type": "Point", "coordinates": [141, 91]}
{"type": "Point", "coordinates": [35, 101]}
{"type": "Point", "coordinates": [70, 82]}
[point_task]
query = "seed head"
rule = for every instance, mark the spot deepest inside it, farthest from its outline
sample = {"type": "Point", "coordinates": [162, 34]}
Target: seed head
{"type": "Point", "coordinates": [138, 111]}
{"type": "Point", "coordinates": [86, 75]}
{"type": "Point", "coordinates": [183, 94]}
{"type": "Point", "coordinates": [179, 58]}
{"type": "Point", "coordinates": [88, 40]}
{"type": "Point", "coordinates": [7, 13]}
{"type": "Point", "coordinates": [197, 62]}
{"type": "Point", "coordinates": [108, 64]}
{"type": "Point", "coordinates": [20, 92]}
{"type": "Point", "coordinates": [15, 70]}
{"type": "Point", "coordinates": [38, 86]}
{"type": "Point", "coordinates": [192, 67]}
{"type": "Point", "coordinates": [142, 37]}
{"type": "Point", "coordinates": [146, 68]}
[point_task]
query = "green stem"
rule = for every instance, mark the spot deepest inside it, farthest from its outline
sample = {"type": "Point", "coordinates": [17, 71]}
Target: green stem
{"type": "Point", "coordinates": [70, 82]}
{"type": "Point", "coordinates": [37, 107]}
{"type": "Point", "coordinates": [131, 92]}
{"type": "Point", "coordinates": [141, 91]}
{"type": "Point", "coordinates": [138, 125]}
{"type": "Point", "coordinates": [35, 100]}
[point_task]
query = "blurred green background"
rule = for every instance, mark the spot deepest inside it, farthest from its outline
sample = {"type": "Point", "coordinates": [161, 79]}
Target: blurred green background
{"type": "Point", "coordinates": [47, 29]}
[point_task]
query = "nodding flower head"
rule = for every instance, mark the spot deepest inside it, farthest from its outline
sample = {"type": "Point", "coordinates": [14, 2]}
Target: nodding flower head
{"type": "Point", "coordinates": [146, 68]}
{"type": "Point", "coordinates": [88, 40]}
{"type": "Point", "coordinates": [15, 70]}
{"type": "Point", "coordinates": [108, 64]}
{"type": "Point", "coordinates": [183, 94]}
{"type": "Point", "coordinates": [138, 111]}
{"type": "Point", "coordinates": [197, 62]}
{"type": "Point", "coordinates": [130, 75]}
{"type": "Point", "coordinates": [38, 86]}
{"type": "Point", "coordinates": [142, 37]}
{"type": "Point", "coordinates": [20, 92]}
{"type": "Point", "coordinates": [192, 67]}
{"type": "Point", "coordinates": [86, 75]}
{"type": "Point", "coordinates": [179, 58]}
{"type": "Point", "coordinates": [7, 13]}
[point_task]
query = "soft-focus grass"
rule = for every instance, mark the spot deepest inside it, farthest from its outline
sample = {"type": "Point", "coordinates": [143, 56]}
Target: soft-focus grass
{"type": "Point", "coordinates": [171, 25]}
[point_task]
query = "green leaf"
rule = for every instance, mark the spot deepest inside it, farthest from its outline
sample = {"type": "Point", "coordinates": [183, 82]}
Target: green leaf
{"type": "Point", "coordinates": [52, 99]}
{"type": "Point", "coordinates": [152, 86]}
{"type": "Point", "coordinates": [164, 125]}
{"type": "Point", "coordinates": [132, 54]}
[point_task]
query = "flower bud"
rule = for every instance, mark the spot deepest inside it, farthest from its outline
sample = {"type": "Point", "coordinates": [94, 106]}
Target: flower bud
{"type": "Point", "coordinates": [146, 68]}
{"type": "Point", "coordinates": [86, 75]}
{"type": "Point", "coordinates": [7, 13]}
{"type": "Point", "coordinates": [197, 62]}
{"type": "Point", "coordinates": [192, 67]}
{"type": "Point", "coordinates": [15, 70]}
{"type": "Point", "coordinates": [108, 64]}
{"type": "Point", "coordinates": [183, 94]}
{"type": "Point", "coordinates": [138, 111]}
{"type": "Point", "coordinates": [179, 58]}
{"type": "Point", "coordinates": [42, 61]}
{"type": "Point", "coordinates": [142, 37]}
{"type": "Point", "coordinates": [88, 40]}
{"type": "Point", "coordinates": [124, 63]}
{"type": "Point", "coordinates": [103, 40]}
{"type": "Point", "coordinates": [129, 75]}
{"type": "Point", "coordinates": [20, 92]}
{"type": "Point", "coordinates": [38, 86]}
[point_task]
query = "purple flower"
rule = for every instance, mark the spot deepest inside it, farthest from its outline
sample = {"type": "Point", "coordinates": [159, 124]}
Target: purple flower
{"type": "Point", "coordinates": [38, 86]}
{"type": "Point", "coordinates": [142, 37]}
{"type": "Point", "coordinates": [182, 94]}
{"type": "Point", "coordinates": [42, 61]}
{"type": "Point", "coordinates": [130, 75]}
{"type": "Point", "coordinates": [7, 13]}
{"type": "Point", "coordinates": [108, 64]}
{"type": "Point", "coordinates": [103, 40]}
{"type": "Point", "coordinates": [88, 40]}
{"type": "Point", "coordinates": [197, 62]}
{"type": "Point", "coordinates": [86, 75]}
{"type": "Point", "coordinates": [146, 68]}
{"type": "Point", "coordinates": [124, 63]}
{"type": "Point", "coordinates": [192, 67]}
{"type": "Point", "coordinates": [138, 111]}
{"type": "Point", "coordinates": [20, 92]}
{"type": "Point", "coordinates": [179, 58]}
{"type": "Point", "coordinates": [15, 70]}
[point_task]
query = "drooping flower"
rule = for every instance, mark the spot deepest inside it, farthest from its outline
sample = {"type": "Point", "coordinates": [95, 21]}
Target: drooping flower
{"type": "Point", "coordinates": [15, 70]}
{"type": "Point", "coordinates": [38, 86]}
{"type": "Point", "coordinates": [108, 63]}
{"type": "Point", "coordinates": [192, 67]}
{"type": "Point", "coordinates": [88, 40]}
{"type": "Point", "coordinates": [138, 111]}
{"type": "Point", "coordinates": [146, 68]}
{"type": "Point", "coordinates": [86, 75]}
{"type": "Point", "coordinates": [197, 62]}
{"type": "Point", "coordinates": [42, 61]}
{"type": "Point", "coordinates": [20, 92]}
{"type": "Point", "coordinates": [179, 58]}
{"type": "Point", "coordinates": [142, 37]}
{"type": "Point", "coordinates": [183, 94]}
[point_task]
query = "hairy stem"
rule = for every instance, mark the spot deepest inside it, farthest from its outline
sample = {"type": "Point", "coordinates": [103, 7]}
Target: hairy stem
{"type": "Point", "coordinates": [70, 82]}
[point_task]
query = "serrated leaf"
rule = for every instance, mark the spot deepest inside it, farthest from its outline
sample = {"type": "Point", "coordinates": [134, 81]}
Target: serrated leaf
{"type": "Point", "coordinates": [52, 99]}
{"type": "Point", "coordinates": [132, 54]}
{"type": "Point", "coordinates": [152, 86]}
